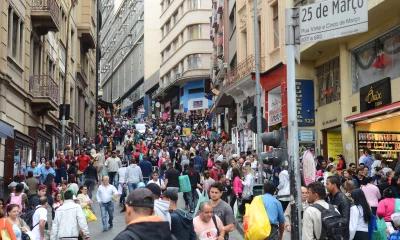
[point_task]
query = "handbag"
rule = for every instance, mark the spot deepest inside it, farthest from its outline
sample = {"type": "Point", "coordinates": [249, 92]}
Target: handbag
{"type": "Point", "coordinates": [4, 233]}
{"type": "Point", "coordinates": [380, 233]}
{"type": "Point", "coordinates": [90, 217]}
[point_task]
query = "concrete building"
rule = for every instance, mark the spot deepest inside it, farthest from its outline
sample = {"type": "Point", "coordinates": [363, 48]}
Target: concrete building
{"type": "Point", "coordinates": [185, 51]}
{"type": "Point", "coordinates": [32, 76]}
{"type": "Point", "coordinates": [130, 53]}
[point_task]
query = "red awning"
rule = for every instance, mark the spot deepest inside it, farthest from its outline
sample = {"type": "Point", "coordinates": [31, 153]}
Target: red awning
{"type": "Point", "coordinates": [375, 112]}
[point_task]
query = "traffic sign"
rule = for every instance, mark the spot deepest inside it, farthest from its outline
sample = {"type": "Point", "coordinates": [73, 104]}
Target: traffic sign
{"type": "Point", "coordinates": [332, 18]}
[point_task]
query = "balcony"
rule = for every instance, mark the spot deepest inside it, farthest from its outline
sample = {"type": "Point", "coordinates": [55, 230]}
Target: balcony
{"type": "Point", "coordinates": [45, 94]}
{"type": "Point", "coordinates": [81, 78]}
{"type": "Point", "coordinates": [45, 16]}
{"type": "Point", "coordinates": [244, 69]}
{"type": "Point", "coordinates": [87, 27]}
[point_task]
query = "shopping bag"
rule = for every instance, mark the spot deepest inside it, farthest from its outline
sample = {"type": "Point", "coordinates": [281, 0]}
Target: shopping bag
{"type": "Point", "coordinates": [184, 184]}
{"type": "Point", "coordinates": [380, 233]}
{"type": "Point", "coordinates": [202, 198]}
{"type": "Point", "coordinates": [4, 233]}
{"type": "Point", "coordinates": [85, 213]}
{"type": "Point", "coordinates": [256, 222]}
{"type": "Point", "coordinates": [236, 212]}
{"type": "Point", "coordinates": [91, 217]}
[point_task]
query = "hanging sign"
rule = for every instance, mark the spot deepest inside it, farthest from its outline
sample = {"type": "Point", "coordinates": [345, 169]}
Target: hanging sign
{"type": "Point", "coordinates": [375, 95]}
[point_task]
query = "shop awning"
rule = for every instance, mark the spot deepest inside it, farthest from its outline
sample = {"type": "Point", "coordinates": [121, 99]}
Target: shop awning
{"type": "Point", "coordinates": [375, 112]}
{"type": "Point", "coordinates": [6, 130]}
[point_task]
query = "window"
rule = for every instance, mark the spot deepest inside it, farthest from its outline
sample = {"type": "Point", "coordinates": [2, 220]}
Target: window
{"type": "Point", "coordinates": [61, 87]}
{"type": "Point", "coordinates": [194, 61]}
{"type": "Point", "coordinates": [162, 32]}
{"type": "Point", "coordinates": [275, 20]}
{"type": "Point", "coordinates": [176, 44]}
{"type": "Point", "coordinates": [328, 80]}
{"type": "Point", "coordinates": [15, 35]}
{"type": "Point", "coordinates": [167, 27]}
{"type": "Point", "coordinates": [376, 60]}
{"type": "Point", "coordinates": [162, 57]}
{"type": "Point", "coordinates": [168, 2]}
{"type": "Point", "coordinates": [175, 18]}
{"type": "Point", "coordinates": [162, 7]}
{"type": "Point", "coordinates": [193, 4]}
{"type": "Point", "coordinates": [195, 31]}
{"type": "Point", "coordinates": [72, 44]}
{"type": "Point", "coordinates": [182, 67]}
{"type": "Point", "coordinates": [168, 78]}
{"type": "Point", "coordinates": [167, 52]}
{"type": "Point", "coordinates": [176, 72]}
{"type": "Point", "coordinates": [182, 91]}
{"type": "Point", "coordinates": [196, 90]}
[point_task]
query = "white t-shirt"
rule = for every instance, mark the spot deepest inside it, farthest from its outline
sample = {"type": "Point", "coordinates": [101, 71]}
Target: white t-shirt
{"type": "Point", "coordinates": [121, 174]}
{"type": "Point", "coordinates": [157, 182]}
{"type": "Point", "coordinates": [40, 214]}
{"type": "Point", "coordinates": [206, 231]}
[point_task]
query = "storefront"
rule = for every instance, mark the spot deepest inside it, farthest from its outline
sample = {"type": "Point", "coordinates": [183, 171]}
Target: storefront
{"type": "Point", "coordinates": [376, 103]}
{"type": "Point", "coordinates": [43, 143]}
{"type": "Point", "coordinates": [18, 155]}
{"type": "Point", "coordinates": [76, 135]}
{"type": "Point", "coordinates": [56, 143]}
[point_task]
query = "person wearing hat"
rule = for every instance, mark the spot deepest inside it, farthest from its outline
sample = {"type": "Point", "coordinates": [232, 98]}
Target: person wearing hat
{"type": "Point", "coordinates": [34, 201]}
{"type": "Point", "coordinates": [139, 218]}
{"type": "Point", "coordinates": [396, 222]}
{"type": "Point", "coordinates": [216, 170]}
{"type": "Point", "coordinates": [181, 220]}
{"type": "Point", "coordinates": [161, 207]}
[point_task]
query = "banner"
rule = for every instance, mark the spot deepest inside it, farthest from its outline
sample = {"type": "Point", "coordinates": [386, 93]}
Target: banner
{"type": "Point", "coordinates": [309, 170]}
{"type": "Point", "coordinates": [334, 144]}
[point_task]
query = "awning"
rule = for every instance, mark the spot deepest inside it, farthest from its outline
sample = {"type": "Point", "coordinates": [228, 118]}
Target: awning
{"type": "Point", "coordinates": [375, 112]}
{"type": "Point", "coordinates": [6, 130]}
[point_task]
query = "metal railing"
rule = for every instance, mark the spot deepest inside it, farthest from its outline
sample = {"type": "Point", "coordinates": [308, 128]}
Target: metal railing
{"type": "Point", "coordinates": [43, 86]}
{"type": "Point", "coordinates": [244, 69]}
{"type": "Point", "coordinates": [47, 5]}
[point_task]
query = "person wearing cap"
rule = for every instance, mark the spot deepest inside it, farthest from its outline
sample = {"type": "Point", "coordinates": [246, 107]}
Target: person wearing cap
{"type": "Point", "coordinates": [113, 163]}
{"type": "Point", "coordinates": [161, 207]}
{"type": "Point", "coordinates": [106, 194]}
{"type": "Point", "coordinates": [139, 218]}
{"type": "Point", "coordinates": [181, 220]}
{"type": "Point", "coordinates": [396, 222]}
{"type": "Point", "coordinates": [216, 170]}
{"type": "Point", "coordinates": [34, 201]}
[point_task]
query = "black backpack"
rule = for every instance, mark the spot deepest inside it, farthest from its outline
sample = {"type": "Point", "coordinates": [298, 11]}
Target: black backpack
{"type": "Point", "coordinates": [334, 226]}
{"type": "Point", "coordinates": [28, 218]}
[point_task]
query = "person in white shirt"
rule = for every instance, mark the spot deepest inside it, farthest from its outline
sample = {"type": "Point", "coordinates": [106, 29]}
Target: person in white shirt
{"type": "Point", "coordinates": [106, 194]}
{"type": "Point", "coordinates": [157, 180]}
{"type": "Point", "coordinates": [112, 164]}
{"type": "Point", "coordinates": [121, 176]}
{"type": "Point", "coordinates": [360, 216]}
{"type": "Point", "coordinates": [39, 219]}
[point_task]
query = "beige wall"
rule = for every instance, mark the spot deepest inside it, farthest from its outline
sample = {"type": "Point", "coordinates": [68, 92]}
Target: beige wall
{"type": "Point", "coordinates": [152, 37]}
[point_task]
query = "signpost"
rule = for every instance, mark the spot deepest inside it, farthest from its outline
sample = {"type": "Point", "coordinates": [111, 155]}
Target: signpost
{"type": "Point", "coordinates": [331, 19]}
{"type": "Point", "coordinates": [312, 23]}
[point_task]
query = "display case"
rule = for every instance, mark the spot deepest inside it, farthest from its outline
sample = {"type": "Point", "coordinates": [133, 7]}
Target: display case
{"type": "Point", "coordinates": [385, 143]}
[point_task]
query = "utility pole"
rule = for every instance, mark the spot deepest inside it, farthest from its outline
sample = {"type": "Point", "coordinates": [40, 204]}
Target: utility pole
{"type": "Point", "coordinates": [292, 39]}
{"type": "Point", "coordinates": [98, 27]}
{"type": "Point", "coordinates": [66, 75]}
{"type": "Point", "coordinates": [258, 93]}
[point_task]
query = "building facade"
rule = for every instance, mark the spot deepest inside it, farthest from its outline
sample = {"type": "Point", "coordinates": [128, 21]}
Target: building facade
{"type": "Point", "coordinates": [130, 54]}
{"type": "Point", "coordinates": [185, 51]}
{"type": "Point", "coordinates": [32, 76]}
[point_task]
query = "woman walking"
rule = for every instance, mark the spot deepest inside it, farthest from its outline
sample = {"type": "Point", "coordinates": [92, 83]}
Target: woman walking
{"type": "Point", "coordinates": [360, 216]}
{"type": "Point", "coordinates": [91, 178]}
{"type": "Point", "coordinates": [18, 225]}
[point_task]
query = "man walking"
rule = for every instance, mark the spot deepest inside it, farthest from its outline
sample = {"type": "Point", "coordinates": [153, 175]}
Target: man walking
{"type": "Point", "coordinates": [69, 214]}
{"type": "Point", "coordinates": [113, 163]}
{"type": "Point", "coordinates": [207, 225]}
{"type": "Point", "coordinates": [106, 194]}
{"type": "Point", "coordinates": [172, 178]}
{"type": "Point", "coordinates": [194, 177]}
{"type": "Point", "coordinates": [139, 218]}
{"type": "Point", "coordinates": [133, 175]}
{"type": "Point", "coordinates": [274, 209]}
{"type": "Point", "coordinates": [83, 161]}
{"type": "Point", "coordinates": [337, 198]}
{"type": "Point", "coordinates": [146, 168]}
{"type": "Point", "coordinates": [39, 218]}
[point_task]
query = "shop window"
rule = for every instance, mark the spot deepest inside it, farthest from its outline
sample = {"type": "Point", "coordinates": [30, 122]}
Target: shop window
{"type": "Point", "coordinates": [328, 77]}
{"type": "Point", "coordinates": [196, 90]}
{"type": "Point", "coordinates": [376, 60]}
{"type": "Point", "coordinates": [22, 159]}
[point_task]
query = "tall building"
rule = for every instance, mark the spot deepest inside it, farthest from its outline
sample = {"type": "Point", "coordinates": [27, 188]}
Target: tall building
{"type": "Point", "coordinates": [185, 50]}
{"type": "Point", "coordinates": [130, 54]}
{"type": "Point", "coordinates": [32, 76]}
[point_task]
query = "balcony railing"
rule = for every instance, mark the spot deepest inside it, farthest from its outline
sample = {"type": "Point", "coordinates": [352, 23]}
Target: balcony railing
{"type": "Point", "coordinates": [47, 5]}
{"type": "Point", "coordinates": [244, 69]}
{"type": "Point", "coordinates": [43, 86]}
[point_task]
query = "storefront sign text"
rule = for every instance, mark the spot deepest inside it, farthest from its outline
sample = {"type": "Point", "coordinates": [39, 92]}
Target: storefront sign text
{"type": "Point", "coordinates": [305, 102]}
{"type": "Point", "coordinates": [375, 95]}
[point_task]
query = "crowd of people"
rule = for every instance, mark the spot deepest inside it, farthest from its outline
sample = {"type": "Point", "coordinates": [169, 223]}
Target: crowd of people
{"type": "Point", "coordinates": [155, 157]}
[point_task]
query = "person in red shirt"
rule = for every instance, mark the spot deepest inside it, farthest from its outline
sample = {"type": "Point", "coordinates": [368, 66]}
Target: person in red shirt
{"type": "Point", "coordinates": [83, 161]}
{"type": "Point", "coordinates": [216, 170]}
{"type": "Point", "coordinates": [143, 147]}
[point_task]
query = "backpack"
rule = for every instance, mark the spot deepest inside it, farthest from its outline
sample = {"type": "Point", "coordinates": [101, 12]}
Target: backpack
{"type": "Point", "coordinates": [28, 218]}
{"type": "Point", "coordinates": [17, 200]}
{"type": "Point", "coordinates": [334, 226]}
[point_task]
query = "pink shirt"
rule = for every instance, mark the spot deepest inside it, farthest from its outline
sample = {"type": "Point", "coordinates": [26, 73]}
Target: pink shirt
{"type": "Point", "coordinates": [206, 231]}
{"type": "Point", "coordinates": [237, 185]}
{"type": "Point", "coordinates": [372, 194]}
{"type": "Point", "coordinates": [386, 209]}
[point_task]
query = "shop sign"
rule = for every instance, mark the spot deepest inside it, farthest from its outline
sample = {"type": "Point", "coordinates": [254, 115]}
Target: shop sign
{"type": "Point", "coordinates": [309, 170]}
{"type": "Point", "coordinates": [305, 102]}
{"type": "Point", "coordinates": [334, 140]}
{"type": "Point", "coordinates": [306, 135]}
{"type": "Point", "coordinates": [375, 95]}
{"type": "Point", "coordinates": [274, 108]}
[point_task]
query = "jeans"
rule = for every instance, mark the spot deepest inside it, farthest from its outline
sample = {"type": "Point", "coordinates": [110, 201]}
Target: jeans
{"type": "Point", "coordinates": [90, 185]}
{"type": "Point", "coordinates": [192, 198]}
{"type": "Point", "coordinates": [113, 176]}
{"type": "Point", "coordinates": [107, 207]}
{"type": "Point", "coordinates": [128, 157]}
{"type": "Point", "coordinates": [50, 200]}
{"type": "Point", "coordinates": [81, 179]}
{"type": "Point", "coordinates": [131, 186]}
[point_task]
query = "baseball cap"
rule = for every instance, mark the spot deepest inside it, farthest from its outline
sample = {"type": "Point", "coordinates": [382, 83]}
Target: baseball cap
{"type": "Point", "coordinates": [141, 197]}
{"type": "Point", "coordinates": [218, 162]}
{"type": "Point", "coordinates": [154, 188]}
{"type": "Point", "coordinates": [396, 219]}
{"type": "Point", "coordinates": [170, 194]}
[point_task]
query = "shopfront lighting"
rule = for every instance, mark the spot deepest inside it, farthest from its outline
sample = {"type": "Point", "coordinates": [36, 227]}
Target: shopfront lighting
{"type": "Point", "coordinates": [378, 118]}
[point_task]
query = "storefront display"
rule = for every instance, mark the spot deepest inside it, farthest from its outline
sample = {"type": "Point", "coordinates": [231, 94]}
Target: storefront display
{"type": "Point", "coordinates": [385, 143]}
{"type": "Point", "coordinates": [43, 142]}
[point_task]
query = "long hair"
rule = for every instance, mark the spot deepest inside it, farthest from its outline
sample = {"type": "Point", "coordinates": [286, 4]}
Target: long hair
{"type": "Point", "coordinates": [235, 173]}
{"type": "Point", "coordinates": [360, 200]}
{"type": "Point", "coordinates": [48, 182]}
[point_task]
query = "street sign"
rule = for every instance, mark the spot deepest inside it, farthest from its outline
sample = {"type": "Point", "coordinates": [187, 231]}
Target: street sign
{"type": "Point", "coordinates": [332, 19]}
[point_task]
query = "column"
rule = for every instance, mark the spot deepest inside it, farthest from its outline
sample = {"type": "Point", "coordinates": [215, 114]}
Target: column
{"type": "Point", "coordinates": [10, 30]}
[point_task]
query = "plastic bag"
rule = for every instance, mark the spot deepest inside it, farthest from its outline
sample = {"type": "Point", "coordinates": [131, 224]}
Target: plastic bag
{"type": "Point", "coordinates": [236, 212]}
{"type": "Point", "coordinates": [210, 163]}
{"type": "Point", "coordinates": [184, 184]}
{"type": "Point", "coordinates": [381, 232]}
{"type": "Point", "coordinates": [202, 198]}
{"type": "Point", "coordinates": [256, 221]}
{"type": "Point", "coordinates": [90, 217]}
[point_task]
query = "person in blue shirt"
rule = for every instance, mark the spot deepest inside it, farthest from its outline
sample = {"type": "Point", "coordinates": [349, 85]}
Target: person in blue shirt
{"type": "Point", "coordinates": [36, 171]}
{"type": "Point", "coordinates": [368, 160]}
{"type": "Point", "coordinates": [275, 178]}
{"type": "Point", "coordinates": [396, 221]}
{"type": "Point", "coordinates": [274, 210]}
{"type": "Point", "coordinates": [46, 170]}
